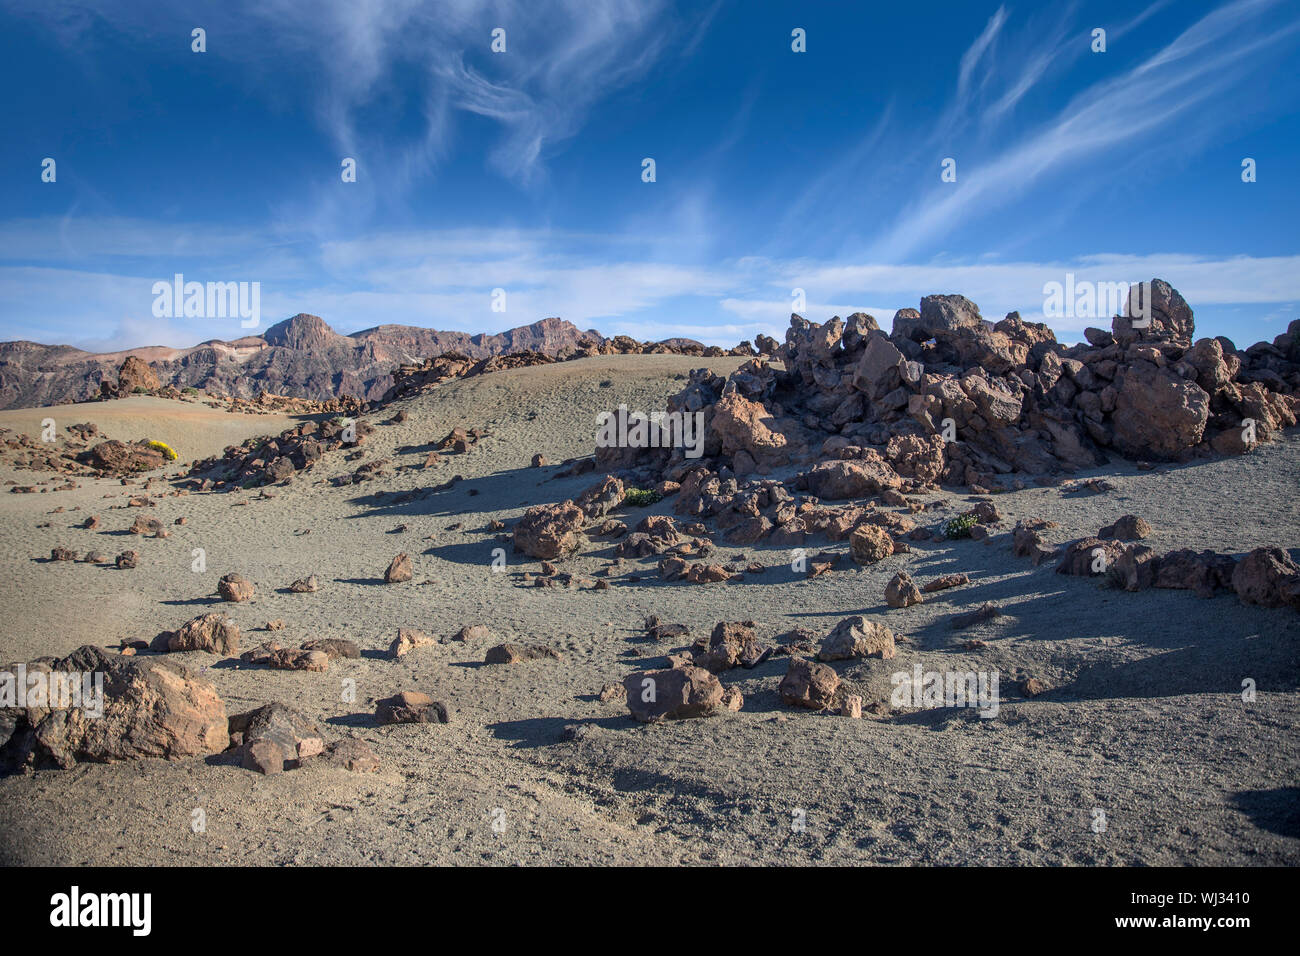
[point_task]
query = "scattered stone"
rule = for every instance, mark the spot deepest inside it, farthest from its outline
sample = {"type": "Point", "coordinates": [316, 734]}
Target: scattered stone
{"type": "Point", "coordinates": [856, 637]}
{"type": "Point", "coordinates": [1127, 528]}
{"type": "Point", "coordinates": [399, 570]}
{"type": "Point", "coordinates": [235, 587]}
{"type": "Point", "coordinates": [307, 585]}
{"type": "Point", "coordinates": [945, 581]}
{"type": "Point", "coordinates": [128, 559]}
{"type": "Point", "coordinates": [902, 591]}
{"type": "Point", "coordinates": [472, 632]}
{"type": "Point", "coordinates": [407, 640]}
{"type": "Point", "coordinates": [144, 524]}
{"type": "Point", "coordinates": [214, 633]}
{"type": "Point", "coordinates": [869, 544]}
{"type": "Point", "coordinates": [334, 648]}
{"type": "Point", "coordinates": [352, 753]}
{"type": "Point", "coordinates": [1032, 687]}
{"type": "Point", "coordinates": [549, 531]}
{"type": "Point", "coordinates": [676, 693]}
{"type": "Point", "coordinates": [852, 707]}
{"type": "Point", "coordinates": [517, 653]}
{"type": "Point", "coordinates": [280, 658]}
{"type": "Point", "coordinates": [412, 707]}
{"type": "Point", "coordinates": [1267, 577]}
{"type": "Point", "coordinates": [809, 684]}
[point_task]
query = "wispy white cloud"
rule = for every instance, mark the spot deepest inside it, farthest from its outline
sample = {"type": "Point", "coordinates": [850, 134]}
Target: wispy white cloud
{"type": "Point", "coordinates": [1207, 60]}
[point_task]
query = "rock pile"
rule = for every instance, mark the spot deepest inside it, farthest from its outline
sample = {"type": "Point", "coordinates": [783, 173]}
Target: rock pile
{"type": "Point", "coordinates": [949, 397]}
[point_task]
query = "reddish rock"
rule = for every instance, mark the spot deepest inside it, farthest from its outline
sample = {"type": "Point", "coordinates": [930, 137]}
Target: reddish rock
{"type": "Point", "coordinates": [809, 684]}
{"type": "Point", "coordinates": [902, 591]}
{"type": "Point", "coordinates": [214, 633]}
{"type": "Point", "coordinates": [407, 640]}
{"type": "Point", "coordinates": [153, 707]}
{"type": "Point", "coordinates": [869, 544]}
{"type": "Point", "coordinates": [676, 693]}
{"type": "Point", "coordinates": [235, 587]}
{"type": "Point", "coordinates": [412, 707]}
{"type": "Point", "coordinates": [1127, 528]}
{"type": "Point", "coordinates": [856, 637]}
{"type": "Point", "coordinates": [945, 581]}
{"type": "Point", "coordinates": [399, 570]}
{"type": "Point", "coordinates": [549, 531]}
{"type": "Point", "coordinates": [1268, 577]}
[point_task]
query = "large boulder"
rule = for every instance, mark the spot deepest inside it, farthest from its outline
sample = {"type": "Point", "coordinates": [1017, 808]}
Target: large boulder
{"type": "Point", "coordinates": [152, 707]}
{"type": "Point", "coordinates": [549, 531]}
{"type": "Point", "coordinates": [1168, 312]}
{"type": "Point", "coordinates": [121, 458]}
{"type": "Point", "coordinates": [809, 684]}
{"type": "Point", "coordinates": [1268, 577]}
{"type": "Point", "coordinates": [1157, 413]}
{"type": "Point", "coordinates": [856, 637]}
{"type": "Point", "coordinates": [671, 694]}
{"type": "Point", "coordinates": [852, 478]}
{"type": "Point", "coordinates": [214, 633]}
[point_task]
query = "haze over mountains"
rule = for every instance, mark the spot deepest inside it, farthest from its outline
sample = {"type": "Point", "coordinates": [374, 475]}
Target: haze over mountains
{"type": "Point", "coordinates": [301, 356]}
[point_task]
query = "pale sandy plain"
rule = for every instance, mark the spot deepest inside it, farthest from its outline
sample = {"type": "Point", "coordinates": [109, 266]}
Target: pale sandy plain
{"type": "Point", "coordinates": [1145, 720]}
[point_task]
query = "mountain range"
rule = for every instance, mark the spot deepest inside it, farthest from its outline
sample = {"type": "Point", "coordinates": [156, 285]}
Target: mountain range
{"type": "Point", "coordinates": [301, 356]}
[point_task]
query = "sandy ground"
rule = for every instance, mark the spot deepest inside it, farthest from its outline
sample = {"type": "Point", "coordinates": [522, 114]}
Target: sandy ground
{"type": "Point", "coordinates": [195, 431]}
{"type": "Point", "coordinates": [1144, 723]}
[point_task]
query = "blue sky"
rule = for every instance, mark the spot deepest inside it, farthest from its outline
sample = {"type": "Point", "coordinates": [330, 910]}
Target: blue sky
{"type": "Point", "coordinates": [776, 170]}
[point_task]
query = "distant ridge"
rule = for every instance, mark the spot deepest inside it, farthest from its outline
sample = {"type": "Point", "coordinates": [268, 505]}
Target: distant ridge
{"type": "Point", "coordinates": [300, 356]}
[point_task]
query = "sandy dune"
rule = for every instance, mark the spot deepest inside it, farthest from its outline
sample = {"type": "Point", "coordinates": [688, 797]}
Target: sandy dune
{"type": "Point", "coordinates": [195, 430]}
{"type": "Point", "coordinates": [1144, 722]}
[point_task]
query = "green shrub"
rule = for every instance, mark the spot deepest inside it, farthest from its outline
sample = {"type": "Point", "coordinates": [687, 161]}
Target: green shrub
{"type": "Point", "coordinates": [960, 526]}
{"type": "Point", "coordinates": [641, 497]}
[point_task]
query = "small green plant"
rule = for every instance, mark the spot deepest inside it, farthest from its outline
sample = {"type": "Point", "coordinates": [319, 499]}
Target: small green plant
{"type": "Point", "coordinates": [190, 390]}
{"type": "Point", "coordinates": [641, 497]}
{"type": "Point", "coordinates": [960, 526]}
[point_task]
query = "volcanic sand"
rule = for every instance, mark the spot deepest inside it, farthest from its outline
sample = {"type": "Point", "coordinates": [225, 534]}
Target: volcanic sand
{"type": "Point", "coordinates": [1141, 752]}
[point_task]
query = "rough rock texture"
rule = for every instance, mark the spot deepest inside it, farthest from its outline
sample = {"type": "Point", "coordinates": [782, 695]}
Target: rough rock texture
{"type": "Point", "coordinates": [856, 637]}
{"type": "Point", "coordinates": [412, 707]}
{"type": "Point", "coordinates": [901, 591]}
{"type": "Point", "coordinates": [1268, 577]}
{"type": "Point", "coordinates": [951, 398]}
{"type": "Point", "coordinates": [399, 570]}
{"type": "Point", "coordinates": [153, 707]}
{"type": "Point", "coordinates": [809, 684]}
{"type": "Point", "coordinates": [673, 694]}
{"type": "Point", "coordinates": [549, 531]}
{"type": "Point", "coordinates": [869, 544]}
{"type": "Point", "coordinates": [214, 633]}
{"type": "Point", "coordinates": [235, 587]}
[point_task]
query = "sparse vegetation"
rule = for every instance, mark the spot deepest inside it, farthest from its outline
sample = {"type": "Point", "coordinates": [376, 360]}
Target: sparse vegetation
{"type": "Point", "coordinates": [165, 448]}
{"type": "Point", "coordinates": [641, 497]}
{"type": "Point", "coordinates": [960, 526]}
